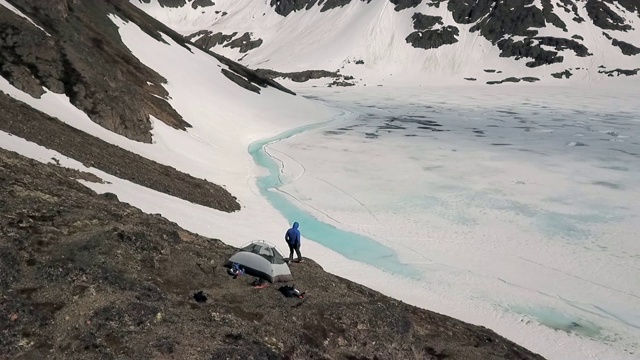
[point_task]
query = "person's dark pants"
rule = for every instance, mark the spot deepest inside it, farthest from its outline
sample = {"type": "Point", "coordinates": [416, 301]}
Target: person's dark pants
{"type": "Point", "coordinates": [295, 247]}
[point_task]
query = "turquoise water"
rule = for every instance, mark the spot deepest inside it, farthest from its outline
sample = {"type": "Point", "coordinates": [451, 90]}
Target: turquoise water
{"type": "Point", "coordinates": [351, 245]}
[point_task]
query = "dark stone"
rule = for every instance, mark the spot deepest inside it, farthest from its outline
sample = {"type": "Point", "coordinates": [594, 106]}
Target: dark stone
{"type": "Point", "coordinates": [626, 48]}
{"type": "Point", "coordinates": [550, 16]}
{"type": "Point", "coordinates": [300, 76]}
{"type": "Point", "coordinates": [404, 4]}
{"type": "Point", "coordinates": [244, 42]}
{"type": "Point", "coordinates": [513, 80]}
{"type": "Point", "coordinates": [431, 39]}
{"type": "Point", "coordinates": [526, 48]}
{"type": "Point", "coordinates": [332, 4]}
{"type": "Point", "coordinates": [110, 196]}
{"type": "Point", "coordinates": [172, 3]}
{"type": "Point", "coordinates": [577, 37]}
{"type": "Point", "coordinates": [559, 75]}
{"type": "Point", "coordinates": [201, 3]}
{"type": "Point", "coordinates": [471, 79]}
{"type": "Point", "coordinates": [570, 6]}
{"type": "Point", "coordinates": [618, 72]}
{"type": "Point", "coordinates": [242, 82]}
{"type": "Point", "coordinates": [285, 7]}
{"type": "Point", "coordinates": [605, 18]}
{"type": "Point", "coordinates": [207, 40]}
{"type": "Point", "coordinates": [200, 297]}
{"type": "Point", "coordinates": [340, 83]}
{"type": "Point", "coordinates": [563, 44]}
{"type": "Point", "coordinates": [425, 22]}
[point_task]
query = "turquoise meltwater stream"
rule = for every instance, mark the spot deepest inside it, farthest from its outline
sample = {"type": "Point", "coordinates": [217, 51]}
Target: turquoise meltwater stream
{"type": "Point", "coordinates": [351, 245]}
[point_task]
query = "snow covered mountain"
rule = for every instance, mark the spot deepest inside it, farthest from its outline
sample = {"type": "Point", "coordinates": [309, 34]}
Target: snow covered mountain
{"type": "Point", "coordinates": [416, 41]}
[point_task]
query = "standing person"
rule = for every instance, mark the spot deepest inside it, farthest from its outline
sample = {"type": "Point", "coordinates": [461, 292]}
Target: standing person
{"type": "Point", "coordinates": [292, 237]}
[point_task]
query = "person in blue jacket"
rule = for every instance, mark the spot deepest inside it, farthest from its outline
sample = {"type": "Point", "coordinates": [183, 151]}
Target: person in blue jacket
{"type": "Point", "coordinates": [292, 237]}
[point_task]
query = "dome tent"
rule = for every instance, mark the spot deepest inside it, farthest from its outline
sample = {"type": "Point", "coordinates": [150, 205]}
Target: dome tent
{"type": "Point", "coordinates": [261, 259]}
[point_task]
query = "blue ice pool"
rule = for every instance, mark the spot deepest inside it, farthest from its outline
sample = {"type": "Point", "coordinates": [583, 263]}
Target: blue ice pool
{"type": "Point", "coordinates": [351, 245]}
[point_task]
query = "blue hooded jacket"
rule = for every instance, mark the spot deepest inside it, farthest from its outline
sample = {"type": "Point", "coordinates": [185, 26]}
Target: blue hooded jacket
{"type": "Point", "coordinates": [292, 236]}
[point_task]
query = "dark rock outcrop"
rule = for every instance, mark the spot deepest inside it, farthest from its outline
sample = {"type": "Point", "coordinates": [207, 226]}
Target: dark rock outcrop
{"type": "Point", "coordinates": [208, 40]}
{"type": "Point", "coordinates": [559, 75]}
{"type": "Point", "coordinates": [425, 22]}
{"type": "Point", "coordinates": [426, 37]}
{"type": "Point", "coordinates": [514, 80]}
{"type": "Point", "coordinates": [244, 42]}
{"type": "Point", "coordinates": [431, 39]}
{"type": "Point", "coordinates": [299, 76]}
{"type": "Point", "coordinates": [179, 3]}
{"type": "Point", "coordinates": [618, 72]}
{"type": "Point", "coordinates": [626, 48]}
{"type": "Point", "coordinates": [605, 18]}
{"type": "Point", "coordinates": [405, 4]}
{"type": "Point", "coordinates": [242, 82]}
{"type": "Point", "coordinates": [285, 7]}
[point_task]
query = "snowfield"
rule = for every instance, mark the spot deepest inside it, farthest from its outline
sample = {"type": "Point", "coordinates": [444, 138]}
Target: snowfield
{"type": "Point", "coordinates": [374, 33]}
{"type": "Point", "coordinates": [519, 216]}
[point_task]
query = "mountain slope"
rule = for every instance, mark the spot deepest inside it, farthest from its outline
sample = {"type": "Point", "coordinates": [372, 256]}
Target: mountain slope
{"type": "Point", "coordinates": [416, 41]}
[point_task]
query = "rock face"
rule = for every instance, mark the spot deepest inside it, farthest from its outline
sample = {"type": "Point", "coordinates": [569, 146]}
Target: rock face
{"type": "Point", "coordinates": [426, 37]}
{"type": "Point", "coordinates": [87, 277]}
{"type": "Point", "coordinates": [244, 43]}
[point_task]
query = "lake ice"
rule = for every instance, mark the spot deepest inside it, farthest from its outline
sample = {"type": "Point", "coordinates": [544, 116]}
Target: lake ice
{"type": "Point", "coordinates": [515, 203]}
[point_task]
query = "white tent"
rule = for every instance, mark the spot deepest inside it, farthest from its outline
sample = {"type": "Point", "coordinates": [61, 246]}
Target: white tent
{"type": "Point", "coordinates": [261, 259]}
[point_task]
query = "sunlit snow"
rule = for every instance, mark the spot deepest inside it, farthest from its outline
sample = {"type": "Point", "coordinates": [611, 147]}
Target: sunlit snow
{"type": "Point", "coordinates": [513, 207]}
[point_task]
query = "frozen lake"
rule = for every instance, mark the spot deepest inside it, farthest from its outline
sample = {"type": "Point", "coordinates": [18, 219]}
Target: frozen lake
{"type": "Point", "coordinates": [513, 207]}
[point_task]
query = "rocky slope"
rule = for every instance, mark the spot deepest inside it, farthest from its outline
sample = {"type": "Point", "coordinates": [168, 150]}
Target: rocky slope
{"type": "Point", "coordinates": [73, 48]}
{"type": "Point", "coordinates": [395, 38]}
{"type": "Point", "coordinates": [85, 276]}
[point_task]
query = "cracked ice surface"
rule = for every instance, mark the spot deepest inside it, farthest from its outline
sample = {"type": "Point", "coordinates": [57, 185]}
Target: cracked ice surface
{"type": "Point", "coordinates": [511, 207]}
